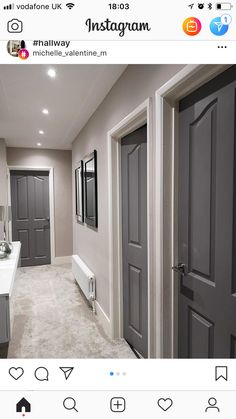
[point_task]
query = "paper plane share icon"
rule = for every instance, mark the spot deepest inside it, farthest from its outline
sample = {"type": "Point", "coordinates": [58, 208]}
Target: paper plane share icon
{"type": "Point", "coordinates": [67, 371]}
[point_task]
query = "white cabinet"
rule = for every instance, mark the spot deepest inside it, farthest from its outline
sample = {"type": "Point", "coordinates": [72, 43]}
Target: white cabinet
{"type": "Point", "coordinates": [8, 268]}
{"type": "Point", "coordinates": [4, 320]}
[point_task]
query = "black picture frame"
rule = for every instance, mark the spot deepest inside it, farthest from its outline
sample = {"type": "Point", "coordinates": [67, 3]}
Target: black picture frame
{"type": "Point", "coordinates": [79, 192]}
{"type": "Point", "coordinates": [90, 189]}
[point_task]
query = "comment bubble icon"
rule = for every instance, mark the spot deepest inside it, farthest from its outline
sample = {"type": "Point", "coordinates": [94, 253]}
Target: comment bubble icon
{"type": "Point", "coordinates": [41, 374]}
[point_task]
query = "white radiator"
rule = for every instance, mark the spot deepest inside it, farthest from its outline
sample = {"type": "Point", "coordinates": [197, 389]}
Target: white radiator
{"type": "Point", "coordinates": [85, 279]}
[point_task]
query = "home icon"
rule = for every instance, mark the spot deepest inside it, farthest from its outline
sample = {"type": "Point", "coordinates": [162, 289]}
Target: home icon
{"type": "Point", "coordinates": [23, 406]}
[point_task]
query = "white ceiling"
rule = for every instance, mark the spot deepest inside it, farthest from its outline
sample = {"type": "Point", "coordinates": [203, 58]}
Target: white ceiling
{"type": "Point", "coordinates": [71, 98]}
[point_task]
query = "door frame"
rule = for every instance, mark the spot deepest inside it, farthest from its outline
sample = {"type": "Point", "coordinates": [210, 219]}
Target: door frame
{"type": "Point", "coordinates": [166, 98]}
{"type": "Point", "coordinates": [51, 202]}
{"type": "Point", "coordinates": [138, 117]}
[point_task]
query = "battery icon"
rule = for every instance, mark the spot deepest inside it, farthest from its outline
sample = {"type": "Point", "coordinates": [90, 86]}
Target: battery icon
{"type": "Point", "coordinates": [224, 6]}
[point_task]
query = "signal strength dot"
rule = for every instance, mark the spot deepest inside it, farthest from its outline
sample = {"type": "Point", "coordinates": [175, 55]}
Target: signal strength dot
{"type": "Point", "coordinates": [9, 7]}
{"type": "Point", "coordinates": [70, 5]}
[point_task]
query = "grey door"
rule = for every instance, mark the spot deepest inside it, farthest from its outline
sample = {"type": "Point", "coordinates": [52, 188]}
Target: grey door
{"type": "Point", "coordinates": [134, 216]}
{"type": "Point", "coordinates": [30, 216]}
{"type": "Point", "coordinates": [207, 221]}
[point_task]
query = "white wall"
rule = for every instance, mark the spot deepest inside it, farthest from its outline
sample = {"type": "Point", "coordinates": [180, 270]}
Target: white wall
{"type": "Point", "coordinates": [3, 179]}
{"type": "Point", "coordinates": [135, 85]}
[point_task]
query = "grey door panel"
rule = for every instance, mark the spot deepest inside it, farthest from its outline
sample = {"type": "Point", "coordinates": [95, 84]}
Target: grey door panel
{"type": "Point", "coordinates": [30, 216]}
{"type": "Point", "coordinates": [134, 229]}
{"type": "Point", "coordinates": [207, 299]}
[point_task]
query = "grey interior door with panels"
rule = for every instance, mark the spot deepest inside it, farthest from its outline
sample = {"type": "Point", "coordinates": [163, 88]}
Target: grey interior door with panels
{"type": "Point", "coordinates": [134, 237]}
{"type": "Point", "coordinates": [207, 221]}
{"type": "Point", "coordinates": [30, 216]}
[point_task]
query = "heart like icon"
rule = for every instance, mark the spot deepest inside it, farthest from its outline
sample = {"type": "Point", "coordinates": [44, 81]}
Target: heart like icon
{"type": "Point", "coordinates": [165, 404]}
{"type": "Point", "coordinates": [16, 373]}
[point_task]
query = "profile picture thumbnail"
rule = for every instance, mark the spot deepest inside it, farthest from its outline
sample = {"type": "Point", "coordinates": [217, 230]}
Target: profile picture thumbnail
{"type": "Point", "coordinates": [17, 49]}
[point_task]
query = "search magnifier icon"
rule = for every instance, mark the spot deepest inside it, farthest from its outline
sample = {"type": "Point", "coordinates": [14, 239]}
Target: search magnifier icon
{"type": "Point", "coordinates": [70, 404]}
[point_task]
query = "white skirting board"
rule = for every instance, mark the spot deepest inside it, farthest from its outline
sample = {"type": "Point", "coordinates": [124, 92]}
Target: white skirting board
{"type": "Point", "coordinates": [103, 319]}
{"type": "Point", "coordinates": [61, 260]}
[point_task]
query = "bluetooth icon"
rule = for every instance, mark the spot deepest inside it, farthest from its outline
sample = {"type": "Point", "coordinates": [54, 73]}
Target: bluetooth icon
{"type": "Point", "coordinates": [209, 6]}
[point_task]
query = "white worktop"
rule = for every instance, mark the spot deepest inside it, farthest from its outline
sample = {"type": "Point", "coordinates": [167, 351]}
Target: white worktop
{"type": "Point", "coordinates": [8, 269]}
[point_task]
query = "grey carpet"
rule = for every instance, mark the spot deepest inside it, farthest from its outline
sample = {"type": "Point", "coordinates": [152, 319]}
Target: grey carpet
{"type": "Point", "coordinates": [51, 319]}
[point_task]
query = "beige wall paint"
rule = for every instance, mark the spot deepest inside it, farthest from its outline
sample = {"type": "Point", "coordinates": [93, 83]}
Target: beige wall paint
{"type": "Point", "coordinates": [136, 84]}
{"type": "Point", "coordinates": [60, 160]}
{"type": "Point", "coordinates": [3, 179]}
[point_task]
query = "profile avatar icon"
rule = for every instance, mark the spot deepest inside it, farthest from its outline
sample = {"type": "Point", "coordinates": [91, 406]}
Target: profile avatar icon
{"type": "Point", "coordinates": [13, 47]}
{"type": "Point", "coordinates": [212, 405]}
{"type": "Point", "coordinates": [17, 49]}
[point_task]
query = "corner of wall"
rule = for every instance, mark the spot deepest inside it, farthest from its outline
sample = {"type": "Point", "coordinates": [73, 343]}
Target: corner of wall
{"type": "Point", "coordinates": [3, 180]}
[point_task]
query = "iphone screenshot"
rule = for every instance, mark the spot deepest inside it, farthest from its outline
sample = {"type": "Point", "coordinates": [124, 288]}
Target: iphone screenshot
{"type": "Point", "coordinates": [117, 209]}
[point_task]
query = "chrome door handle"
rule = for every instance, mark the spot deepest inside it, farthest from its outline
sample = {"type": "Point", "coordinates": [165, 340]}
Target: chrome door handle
{"type": "Point", "coordinates": [181, 269]}
{"type": "Point", "coordinates": [47, 221]}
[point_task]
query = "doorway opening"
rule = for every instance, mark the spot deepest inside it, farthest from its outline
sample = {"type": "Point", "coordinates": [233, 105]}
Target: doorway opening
{"type": "Point", "coordinates": [135, 120]}
{"type": "Point", "coordinates": [206, 220]}
{"type": "Point", "coordinates": [31, 216]}
{"type": "Point", "coordinates": [188, 80]}
{"type": "Point", "coordinates": [134, 239]}
{"type": "Point", "coordinates": [31, 197]}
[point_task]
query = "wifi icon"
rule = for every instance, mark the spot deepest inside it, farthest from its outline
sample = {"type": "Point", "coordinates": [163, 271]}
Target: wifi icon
{"type": "Point", "coordinates": [70, 5]}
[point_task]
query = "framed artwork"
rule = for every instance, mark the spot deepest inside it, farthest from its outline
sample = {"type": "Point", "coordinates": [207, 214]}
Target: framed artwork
{"type": "Point", "coordinates": [79, 192]}
{"type": "Point", "coordinates": [90, 188]}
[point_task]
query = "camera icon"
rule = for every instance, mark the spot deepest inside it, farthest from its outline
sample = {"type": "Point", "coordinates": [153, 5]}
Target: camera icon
{"type": "Point", "coordinates": [15, 26]}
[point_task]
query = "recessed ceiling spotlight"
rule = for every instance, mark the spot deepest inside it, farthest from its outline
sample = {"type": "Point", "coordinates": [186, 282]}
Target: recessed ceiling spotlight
{"type": "Point", "coordinates": [52, 73]}
{"type": "Point", "coordinates": [45, 111]}
{"type": "Point", "coordinates": [41, 132]}
{"type": "Point", "coordinates": [39, 144]}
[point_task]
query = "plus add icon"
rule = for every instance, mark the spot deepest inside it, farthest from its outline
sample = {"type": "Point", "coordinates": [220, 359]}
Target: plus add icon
{"type": "Point", "coordinates": [117, 404]}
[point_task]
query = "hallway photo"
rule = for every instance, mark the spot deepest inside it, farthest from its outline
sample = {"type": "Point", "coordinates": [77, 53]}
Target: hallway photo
{"type": "Point", "coordinates": [117, 211]}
